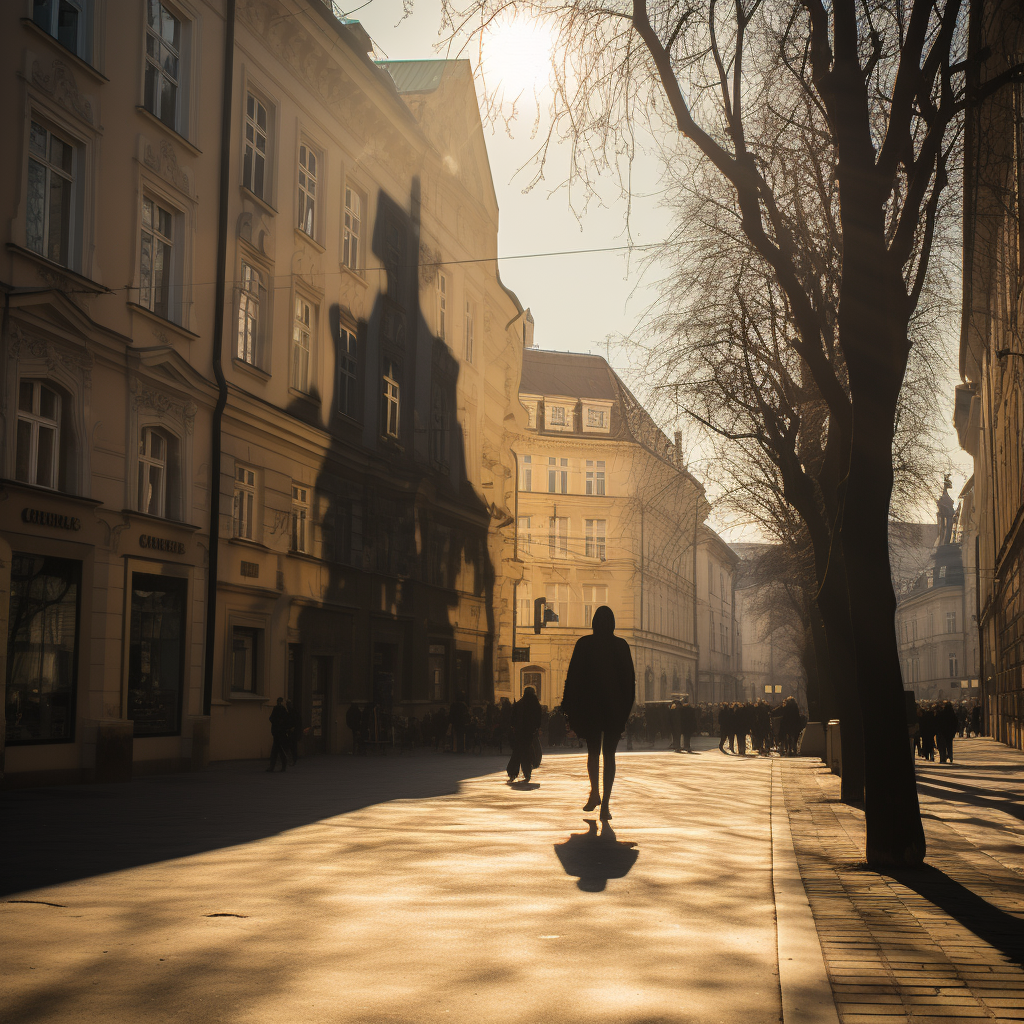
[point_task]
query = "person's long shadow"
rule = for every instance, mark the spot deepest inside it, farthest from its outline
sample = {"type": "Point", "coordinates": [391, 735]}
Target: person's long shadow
{"type": "Point", "coordinates": [592, 859]}
{"type": "Point", "coordinates": [996, 927]}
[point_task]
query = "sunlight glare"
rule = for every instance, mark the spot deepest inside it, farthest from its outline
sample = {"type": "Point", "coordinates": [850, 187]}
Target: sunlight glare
{"type": "Point", "coordinates": [516, 52]}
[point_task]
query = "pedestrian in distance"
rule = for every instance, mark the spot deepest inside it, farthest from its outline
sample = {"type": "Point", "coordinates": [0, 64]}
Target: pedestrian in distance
{"type": "Point", "coordinates": [725, 732]}
{"type": "Point", "coordinates": [946, 726]}
{"type": "Point", "coordinates": [279, 735]}
{"type": "Point", "coordinates": [600, 687]}
{"type": "Point", "coordinates": [526, 720]}
{"type": "Point", "coordinates": [688, 723]}
{"type": "Point", "coordinates": [675, 714]}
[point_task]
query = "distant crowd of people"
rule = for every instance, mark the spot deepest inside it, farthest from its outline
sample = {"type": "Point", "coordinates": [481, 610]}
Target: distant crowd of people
{"type": "Point", "coordinates": [939, 722]}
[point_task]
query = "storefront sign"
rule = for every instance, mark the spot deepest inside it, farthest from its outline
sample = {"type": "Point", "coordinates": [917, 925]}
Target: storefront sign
{"type": "Point", "coordinates": [37, 517]}
{"type": "Point", "coordinates": [173, 547]}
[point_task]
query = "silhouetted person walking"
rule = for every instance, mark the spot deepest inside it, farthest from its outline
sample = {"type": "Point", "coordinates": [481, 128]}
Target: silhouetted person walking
{"type": "Point", "coordinates": [945, 729]}
{"type": "Point", "coordinates": [526, 719]}
{"type": "Point", "coordinates": [600, 688]}
{"type": "Point", "coordinates": [279, 721]}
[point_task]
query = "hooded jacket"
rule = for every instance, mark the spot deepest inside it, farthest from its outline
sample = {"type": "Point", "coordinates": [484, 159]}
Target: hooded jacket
{"type": "Point", "coordinates": [600, 686]}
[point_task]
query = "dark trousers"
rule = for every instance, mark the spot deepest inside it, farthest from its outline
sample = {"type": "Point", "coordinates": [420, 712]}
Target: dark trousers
{"type": "Point", "coordinates": [278, 751]}
{"type": "Point", "coordinates": [686, 741]}
{"type": "Point", "coordinates": [945, 748]}
{"type": "Point", "coordinates": [676, 740]}
{"type": "Point", "coordinates": [458, 740]}
{"type": "Point", "coordinates": [521, 759]}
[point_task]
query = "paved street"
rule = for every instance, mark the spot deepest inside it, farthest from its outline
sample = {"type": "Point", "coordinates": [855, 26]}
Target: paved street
{"type": "Point", "coordinates": [410, 889]}
{"type": "Point", "coordinates": [422, 888]}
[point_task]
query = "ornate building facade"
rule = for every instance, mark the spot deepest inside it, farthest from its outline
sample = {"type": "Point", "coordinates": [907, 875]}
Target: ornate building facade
{"type": "Point", "coordinates": [260, 380]}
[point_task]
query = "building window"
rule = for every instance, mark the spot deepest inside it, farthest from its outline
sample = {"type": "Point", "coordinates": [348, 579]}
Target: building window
{"type": "Point", "coordinates": [442, 306]}
{"type": "Point", "coordinates": [469, 332]}
{"type": "Point", "coordinates": [38, 455]}
{"type": "Point", "coordinates": [156, 653]}
{"type": "Point", "coordinates": [163, 63]}
{"type": "Point", "coordinates": [68, 21]}
{"type": "Point", "coordinates": [557, 597]}
{"type": "Point", "coordinates": [597, 419]}
{"type": "Point", "coordinates": [156, 257]}
{"type": "Point", "coordinates": [595, 476]}
{"type": "Point", "coordinates": [593, 598]}
{"type": "Point", "coordinates": [526, 473]}
{"type": "Point", "coordinates": [308, 170]}
{"type": "Point", "coordinates": [391, 399]}
{"type": "Point", "coordinates": [42, 649]}
{"type": "Point", "coordinates": [595, 538]}
{"type": "Point", "coordinates": [439, 428]}
{"type": "Point", "coordinates": [152, 472]}
{"type": "Point", "coordinates": [721, 584]}
{"type": "Point", "coordinates": [950, 622]}
{"type": "Point", "coordinates": [524, 597]}
{"type": "Point", "coordinates": [300, 518]}
{"type": "Point", "coordinates": [723, 638]}
{"type": "Point", "coordinates": [558, 537]}
{"type": "Point", "coordinates": [953, 666]}
{"type": "Point", "coordinates": [942, 572]}
{"type": "Point", "coordinates": [245, 652]}
{"type": "Point", "coordinates": [245, 502]}
{"type": "Point", "coordinates": [346, 366]}
{"type": "Point", "coordinates": [254, 162]}
{"type": "Point", "coordinates": [50, 201]}
{"type": "Point", "coordinates": [556, 415]}
{"type": "Point", "coordinates": [558, 476]}
{"type": "Point", "coordinates": [353, 229]}
{"type": "Point", "coordinates": [525, 535]}
{"type": "Point", "coordinates": [302, 332]}
{"type": "Point", "coordinates": [711, 577]}
{"type": "Point", "coordinates": [252, 301]}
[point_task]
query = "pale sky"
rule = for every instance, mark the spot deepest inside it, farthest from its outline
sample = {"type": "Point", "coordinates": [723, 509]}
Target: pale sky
{"type": "Point", "coordinates": [577, 301]}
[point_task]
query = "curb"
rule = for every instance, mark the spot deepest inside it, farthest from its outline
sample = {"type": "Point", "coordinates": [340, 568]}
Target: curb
{"type": "Point", "coordinates": [806, 991]}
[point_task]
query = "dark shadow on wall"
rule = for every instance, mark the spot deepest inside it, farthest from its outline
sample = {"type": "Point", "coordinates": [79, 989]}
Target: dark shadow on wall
{"type": "Point", "coordinates": [403, 612]}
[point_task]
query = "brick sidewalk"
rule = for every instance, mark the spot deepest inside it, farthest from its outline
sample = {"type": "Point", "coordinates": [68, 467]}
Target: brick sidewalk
{"type": "Point", "coordinates": [939, 944]}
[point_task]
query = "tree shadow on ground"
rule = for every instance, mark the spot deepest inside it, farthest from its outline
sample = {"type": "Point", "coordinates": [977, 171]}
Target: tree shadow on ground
{"type": "Point", "coordinates": [969, 794]}
{"type": "Point", "coordinates": [999, 929]}
{"type": "Point", "coordinates": [593, 858]}
{"type": "Point", "coordinates": [59, 834]}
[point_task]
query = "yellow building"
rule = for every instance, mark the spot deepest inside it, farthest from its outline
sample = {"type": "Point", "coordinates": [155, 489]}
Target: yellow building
{"type": "Point", "coordinates": [607, 514]}
{"type": "Point", "coordinates": [242, 341]}
{"type": "Point", "coordinates": [989, 406]}
{"type": "Point", "coordinates": [718, 637]}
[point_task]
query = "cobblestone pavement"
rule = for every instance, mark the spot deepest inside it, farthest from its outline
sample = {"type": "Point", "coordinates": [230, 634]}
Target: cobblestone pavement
{"type": "Point", "coordinates": [416, 889]}
{"type": "Point", "coordinates": [945, 943]}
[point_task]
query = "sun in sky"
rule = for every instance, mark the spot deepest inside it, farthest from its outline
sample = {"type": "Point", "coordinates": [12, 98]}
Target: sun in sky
{"type": "Point", "coordinates": [516, 52]}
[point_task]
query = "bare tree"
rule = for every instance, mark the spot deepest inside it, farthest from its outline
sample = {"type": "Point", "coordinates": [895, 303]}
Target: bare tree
{"type": "Point", "coordinates": [884, 90]}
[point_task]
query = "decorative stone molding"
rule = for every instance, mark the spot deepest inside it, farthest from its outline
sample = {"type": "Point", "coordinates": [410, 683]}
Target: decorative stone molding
{"type": "Point", "coordinates": [144, 396]}
{"type": "Point", "coordinates": [163, 160]}
{"type": "Point", "coordinates": [60, 85]}
{"type": "Point", "coordinates": [429, 264]}
{"type": "Point", "coordinates": [76, 362]}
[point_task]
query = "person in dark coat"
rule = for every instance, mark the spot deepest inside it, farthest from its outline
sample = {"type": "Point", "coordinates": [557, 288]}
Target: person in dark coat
{"type": "Point", "coordinates": [725, 715]}
{"type": "Point", "coordinates": [279, 734]}
{"type": "Point", "coordinates": [526, 719]}
{"type": "Point", "coordinates": [688, 723]}
{"type": "Point", "coordinates": [600, 688]}
{"type": "Point", "coordinates": [675, 714]}
{"type": "Point", "coordinates": [946, 726]}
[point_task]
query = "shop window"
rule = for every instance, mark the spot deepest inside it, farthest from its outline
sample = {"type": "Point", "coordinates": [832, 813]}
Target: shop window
{"type": "Point", "coordinates": [246, 650]}
{"type": "Point", "coordinates": [156, 653]}
{"type": "Point", "coordinates": [52, 214]}
{"type": "Point", "coordinates": [42, 649]}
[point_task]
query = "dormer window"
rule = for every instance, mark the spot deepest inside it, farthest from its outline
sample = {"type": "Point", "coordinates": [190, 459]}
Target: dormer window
{"type": "Point", "coordinates": [557, 417]}
{"type": "Point", "coordinates": [597, 417]}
